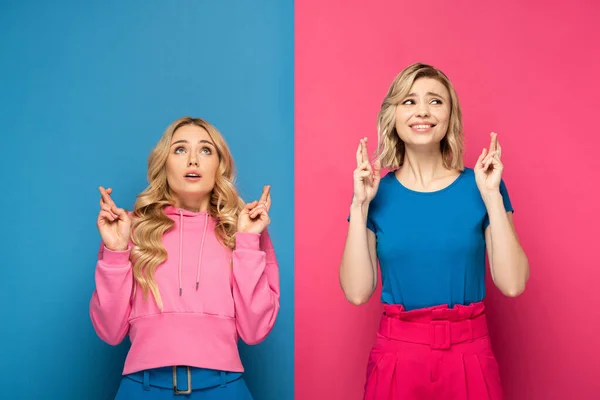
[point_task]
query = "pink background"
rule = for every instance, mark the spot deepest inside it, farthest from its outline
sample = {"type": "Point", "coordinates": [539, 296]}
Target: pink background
{"type": "Point", "coordinates": [527, 70]}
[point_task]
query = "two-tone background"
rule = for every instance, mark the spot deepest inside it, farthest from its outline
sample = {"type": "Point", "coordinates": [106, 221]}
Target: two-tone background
{"type": "Point", "coordinates": [87, 88]}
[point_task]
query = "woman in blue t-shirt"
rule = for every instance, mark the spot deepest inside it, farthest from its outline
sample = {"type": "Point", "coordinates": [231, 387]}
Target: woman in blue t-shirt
{"type": "Point", "coordinates": [428, 223]}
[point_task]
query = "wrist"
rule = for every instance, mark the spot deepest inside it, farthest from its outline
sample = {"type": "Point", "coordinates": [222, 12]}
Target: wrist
{"type": "Point", "coordinates": [358, 204]}
{"type": "Point", "coordinates": [491, 198]}
{"type": "Point", "coordinates": [247, 240]}
{"type": "Point", "coordinates": [117, 248]}
{"type": "Point", "coordinates": [359, 208]}
{"type": "Point", "coordinates": [251, 230]}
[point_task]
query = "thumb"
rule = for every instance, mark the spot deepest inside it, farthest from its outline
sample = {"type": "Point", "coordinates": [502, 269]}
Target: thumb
{"type": "Point", "coordinates": [122, 213]}
{"type": "Point", "coordinates": [480, 159]}
{"type": "Point", "coordinates": [377, 169]}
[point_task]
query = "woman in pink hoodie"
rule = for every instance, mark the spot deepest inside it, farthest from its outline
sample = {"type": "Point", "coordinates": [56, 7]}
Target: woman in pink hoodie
{"type": "Point", "coordinates": [187, 273]}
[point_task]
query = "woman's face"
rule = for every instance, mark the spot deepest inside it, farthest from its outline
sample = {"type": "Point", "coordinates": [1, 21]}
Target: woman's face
{"type": "Point", "coordinates": [422, 117]}
{"type": "Point", "coordinates": [192, 164]}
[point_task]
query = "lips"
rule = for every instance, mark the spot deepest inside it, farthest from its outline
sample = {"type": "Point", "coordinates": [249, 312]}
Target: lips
{"type": "Point", "coordinates": [192, 175]}
{"type": "Point", "coordinates": [422, 126]}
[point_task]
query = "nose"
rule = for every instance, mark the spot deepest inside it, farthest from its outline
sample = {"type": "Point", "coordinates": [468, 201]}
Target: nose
{"type": "Point", "coordinates": [422, 110]}
{"type": "Point", "coordinates": [192, 161]}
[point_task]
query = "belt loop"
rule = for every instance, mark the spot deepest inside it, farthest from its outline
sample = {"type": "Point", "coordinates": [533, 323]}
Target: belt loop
{"type": "Point", "coordinates": [389, 327]}
{"type": "Point", "coordinates": [146, 380]}
{"type": "Point", "coordinates": [440, 329]}
{"type": "Point", "coordinates": [223, 379]}
{"type": "Point", "coordinates": [471, 332]}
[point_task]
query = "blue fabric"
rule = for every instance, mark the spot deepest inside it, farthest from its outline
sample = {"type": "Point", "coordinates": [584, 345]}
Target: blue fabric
{"type": "Point", "coordinates": [157, 384]}
{"type": "Point", "coordinates": [431, 245]}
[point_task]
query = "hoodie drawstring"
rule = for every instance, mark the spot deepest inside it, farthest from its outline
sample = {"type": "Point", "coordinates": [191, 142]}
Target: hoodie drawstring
{"type": "Point", "coordinates": [180, 248]}
{"type": "Point", "coordinates": [201, 250]}
{"type": "Point", "coordinates": [181, 251]}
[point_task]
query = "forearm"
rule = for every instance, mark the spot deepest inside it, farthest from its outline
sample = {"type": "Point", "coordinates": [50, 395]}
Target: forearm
{"type": "Point", "coordinates": [357, 275]}
{"type": "Point", "coordinates": [510, 267]}
{"type": "Point", "coordinates": [256, 287]}
{"type": "Point", "coordinates": [110, 304]}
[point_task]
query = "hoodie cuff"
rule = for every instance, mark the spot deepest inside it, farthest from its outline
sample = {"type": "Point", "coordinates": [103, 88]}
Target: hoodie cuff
{"type": "Point", "coordinates": [247, 241]}
{"type": "Point", "coordinates": [113, 258]}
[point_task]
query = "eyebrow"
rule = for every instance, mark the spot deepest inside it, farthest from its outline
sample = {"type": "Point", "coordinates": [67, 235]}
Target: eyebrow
{"type": "Point", "coordinates": [199, 141]}
{"type": "Point", "coordinates": [427, 94]}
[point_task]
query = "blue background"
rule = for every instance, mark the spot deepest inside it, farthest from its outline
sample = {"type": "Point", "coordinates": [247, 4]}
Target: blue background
{"type": "Point", "coordinates": [87, 90]}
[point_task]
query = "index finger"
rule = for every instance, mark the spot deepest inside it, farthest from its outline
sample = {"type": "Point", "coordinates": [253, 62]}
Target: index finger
{"type": "Point", "coordinates": [365, 152]}
{"type": "Point", "coordinates": [106, 197]}
{"type": "Point", "coordinates": [498, 147]}
{"type": "Point", "coordinates": [493, 142]}
{"type": "Point", "coordinates": [265, 194]}
{"type": "Point", "coordinates": [268, 202]}
{"type": "Point", "coordinates": [359, 154]}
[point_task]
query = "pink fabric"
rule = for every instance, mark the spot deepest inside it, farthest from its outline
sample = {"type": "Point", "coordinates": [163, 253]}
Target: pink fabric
{"type": "Point", "coordinates": [433, 353]}
{"type": "Point", "coordinates": [211, 297]}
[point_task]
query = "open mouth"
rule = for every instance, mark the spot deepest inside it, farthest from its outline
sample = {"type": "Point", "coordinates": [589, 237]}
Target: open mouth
{"type": "Point", "coordinates": [192, 176]}
{"type": "Point", "coordinates": [422, 127]}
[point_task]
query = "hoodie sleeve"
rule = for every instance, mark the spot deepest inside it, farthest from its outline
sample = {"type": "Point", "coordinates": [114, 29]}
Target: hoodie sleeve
{"type": "Point", "coordinates": [255, 286]}
{"type": "Point", "coordinates": [110, 305]}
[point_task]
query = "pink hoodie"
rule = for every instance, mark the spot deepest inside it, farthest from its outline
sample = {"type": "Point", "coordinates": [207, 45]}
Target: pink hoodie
{"type": "Point", "coordinates": [211, 296]}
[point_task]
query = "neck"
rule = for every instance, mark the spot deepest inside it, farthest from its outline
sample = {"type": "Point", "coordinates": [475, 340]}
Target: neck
{"type": "Point", "coordinates": [422, 166]}
{"type": "Point", "coordinates": [195, 205]}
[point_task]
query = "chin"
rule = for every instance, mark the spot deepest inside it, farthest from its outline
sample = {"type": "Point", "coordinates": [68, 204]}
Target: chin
{"type": "Point", "coordinates": [193, 192]}
{"type": "Point", "coordinates": [422, 140]}
{"type": "Point", "coordinates": [198, 192]}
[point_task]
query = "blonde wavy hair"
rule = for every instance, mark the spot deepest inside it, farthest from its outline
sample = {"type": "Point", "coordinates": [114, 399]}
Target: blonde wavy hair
{"type": "Point", "coordinates": [150, 222]}
{"type": "Point", "coordinates": [391, 148]}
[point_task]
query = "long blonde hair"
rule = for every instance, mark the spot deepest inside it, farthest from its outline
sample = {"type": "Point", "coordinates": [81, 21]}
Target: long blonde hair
{"type": "Point", "coordinates": [150, 222]}
{"type": "Point", "coordinates": [391, 148]}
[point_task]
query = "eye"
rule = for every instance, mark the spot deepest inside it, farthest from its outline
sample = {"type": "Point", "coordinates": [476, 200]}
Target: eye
{"type": "Point", "coordinates": [179, 150]}
{"type": "Point", "coordinates": [436, 101]}
{"type": "Point", "coordinates": [206, 150]}
{"type": "Point", "coordinates": [408, 102]}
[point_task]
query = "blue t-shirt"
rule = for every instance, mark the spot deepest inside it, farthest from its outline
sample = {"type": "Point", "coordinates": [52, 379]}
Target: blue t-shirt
{"type": "Point", "coordinates": [431, 245]}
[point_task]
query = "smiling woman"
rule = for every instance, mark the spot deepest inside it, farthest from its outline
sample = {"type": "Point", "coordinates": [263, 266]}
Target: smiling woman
{"type": "Point", "coordinates": [205, 257]}
{"type": "Point", "coordinates": [427, 224]}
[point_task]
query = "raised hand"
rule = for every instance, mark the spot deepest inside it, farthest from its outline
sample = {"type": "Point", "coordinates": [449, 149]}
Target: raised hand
{"type": "Point", "coordinates": [254, 218]}
{"type": "Point", "coordinates": [114, 224]}
{"type": "Point", "coordinates": [488, 170]}
{"type": "Point", "coordinates": [366, 176]}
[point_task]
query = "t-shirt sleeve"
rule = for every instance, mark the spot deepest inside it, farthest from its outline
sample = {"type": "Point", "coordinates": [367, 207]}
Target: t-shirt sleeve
{"type": "Point", "coordinates": [505, 199]}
